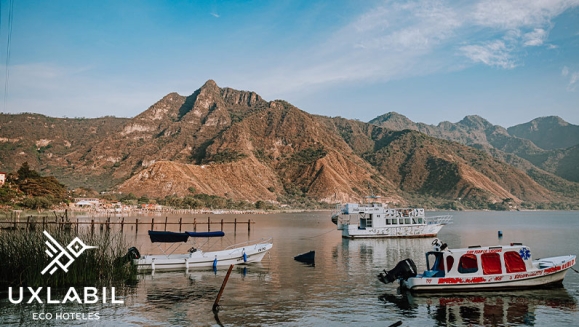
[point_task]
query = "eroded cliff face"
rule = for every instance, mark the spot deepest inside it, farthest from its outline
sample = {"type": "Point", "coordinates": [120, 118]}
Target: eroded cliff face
{"type": "Point", "coordinates": [278, 149]}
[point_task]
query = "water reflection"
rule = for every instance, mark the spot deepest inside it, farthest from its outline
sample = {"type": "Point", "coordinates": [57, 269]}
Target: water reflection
{"type": "Point", "coordinates": [494, 309]}
{"type": "Point", "coordinates": [383, 253]}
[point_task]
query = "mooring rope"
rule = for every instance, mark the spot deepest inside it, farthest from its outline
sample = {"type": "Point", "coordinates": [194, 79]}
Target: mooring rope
{"type": "Point", "coordinates": [331, 230]}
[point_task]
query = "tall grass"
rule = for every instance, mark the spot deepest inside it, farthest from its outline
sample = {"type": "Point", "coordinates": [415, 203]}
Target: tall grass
{"type": "Point", "coordinates": [23, 257]}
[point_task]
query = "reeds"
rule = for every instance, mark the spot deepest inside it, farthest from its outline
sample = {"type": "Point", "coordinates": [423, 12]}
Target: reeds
{"type": "Point", "coordinates": [23, 258]}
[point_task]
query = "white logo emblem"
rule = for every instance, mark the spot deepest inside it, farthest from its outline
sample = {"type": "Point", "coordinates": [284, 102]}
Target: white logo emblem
{"type": "Point", "coordinates": [76, 247]}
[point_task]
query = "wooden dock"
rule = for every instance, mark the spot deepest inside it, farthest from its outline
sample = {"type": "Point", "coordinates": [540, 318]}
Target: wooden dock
{"type": "Point", "coordinates": [32, 223]}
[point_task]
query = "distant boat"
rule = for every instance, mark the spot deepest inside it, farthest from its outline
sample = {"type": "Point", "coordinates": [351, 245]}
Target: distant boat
{"type": "Point", "coordinates": [307, 257]}
{"type": "Point", "coordinates": [376, 220]}
{"type": "Point", "coordinates": [243, 253]}
{"type": "Point", "coordinates": [480, 268]}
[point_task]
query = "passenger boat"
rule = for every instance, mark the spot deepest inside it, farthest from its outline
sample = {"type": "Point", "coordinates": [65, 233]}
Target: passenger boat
{"type": "Point", "coordinates": [243, 253]}
{"type": "Point", "coordinates": [376, 220]}
{"type": "Point", "coordinates": [479, 268]}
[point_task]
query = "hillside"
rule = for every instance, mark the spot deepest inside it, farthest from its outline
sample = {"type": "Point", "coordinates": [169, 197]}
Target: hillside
{"type": "Point", "coordinates": [417, 163]}
{"type": "Point", "coordinates": [519, 140]}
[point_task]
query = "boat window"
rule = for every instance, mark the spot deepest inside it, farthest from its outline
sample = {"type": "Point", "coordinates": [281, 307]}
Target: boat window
{"type": "Point", "coordinates": [449, 262]}
{"type": "Point", "coordinates": [420, 220]}
{"type": "Point", "coordinates": [467, 264]}
{"type": "Point", "coordinates": [514, 263]}
{"type": "Point", "coordinates": [407, 221]}
{"type": "Point", "coordinates": [491, 263]}
{"type": "Point", "coordinates": [394, 221]}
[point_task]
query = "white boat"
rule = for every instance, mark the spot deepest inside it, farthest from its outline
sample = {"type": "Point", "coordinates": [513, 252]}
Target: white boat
{"type": "Point", "coordinates": [376, 220]}
{"type": "Point", "coordinates": [243, 253]}
{"type": "Point", "coordinates": [480, 268]}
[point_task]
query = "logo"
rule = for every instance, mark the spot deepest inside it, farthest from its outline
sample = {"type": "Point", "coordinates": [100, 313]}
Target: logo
{"type": "Point", "coordinates": [76, 247]}
{"type": "Point", "coordinates": [525, 253]}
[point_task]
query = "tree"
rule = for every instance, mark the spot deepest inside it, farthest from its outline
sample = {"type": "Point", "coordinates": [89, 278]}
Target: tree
{"type": "Point", "coordinates": [25, 172]}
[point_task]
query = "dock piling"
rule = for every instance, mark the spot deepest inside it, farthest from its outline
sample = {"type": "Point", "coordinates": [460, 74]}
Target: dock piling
{"type": "Point", "coordinates": [216, 303]}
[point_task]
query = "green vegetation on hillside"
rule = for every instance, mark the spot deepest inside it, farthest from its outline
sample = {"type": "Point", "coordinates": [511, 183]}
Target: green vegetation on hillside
{"type": "Point", "coordinates": [26, 188]}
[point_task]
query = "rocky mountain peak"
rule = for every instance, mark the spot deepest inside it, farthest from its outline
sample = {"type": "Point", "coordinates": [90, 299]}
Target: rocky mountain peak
{"type": "Point", "coordinates": [548, 133]}
{"type": "Point", "coordinates": [394, 120]}
{"type": "Point", "coordinates": [210, 84]}
{"type": "Point", "coordinates": [476, 122]}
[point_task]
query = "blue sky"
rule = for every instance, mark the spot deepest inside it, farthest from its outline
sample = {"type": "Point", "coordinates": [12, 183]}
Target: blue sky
{"type": "Point", "coordinates": [507, 61]}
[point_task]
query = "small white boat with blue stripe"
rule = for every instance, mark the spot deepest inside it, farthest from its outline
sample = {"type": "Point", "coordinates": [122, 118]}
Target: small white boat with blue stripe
{"type": "Point", "coordinates": [242, 253]}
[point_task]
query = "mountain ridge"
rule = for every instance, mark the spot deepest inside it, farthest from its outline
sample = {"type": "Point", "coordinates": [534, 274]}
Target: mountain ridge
{"type": "Point", "coordinates": [234, 144]}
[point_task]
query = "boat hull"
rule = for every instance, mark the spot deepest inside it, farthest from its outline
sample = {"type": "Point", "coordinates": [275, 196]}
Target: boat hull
{"type": "Point", "coordinates": [200, 259]}
{"type": "Point", "coordinates": [352, 231]}
{"type": "Point", "coordinates": [551, 276]}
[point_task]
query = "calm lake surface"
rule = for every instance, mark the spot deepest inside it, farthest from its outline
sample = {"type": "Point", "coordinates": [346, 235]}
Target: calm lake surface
{"type": "Point", "coordinates": [342, 288]}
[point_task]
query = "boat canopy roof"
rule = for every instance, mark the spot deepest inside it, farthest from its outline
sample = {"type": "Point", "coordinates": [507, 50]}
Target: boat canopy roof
{"type": "Point", "coordinates": [167, 237]}
{"type": "Point", "coordinates": [206, 234]}
{"type": "Point", "coordinates": [174, 237]}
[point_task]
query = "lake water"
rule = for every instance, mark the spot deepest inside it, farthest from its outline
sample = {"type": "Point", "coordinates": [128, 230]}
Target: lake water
{"type": "Point", "coordinates": [342, 288]}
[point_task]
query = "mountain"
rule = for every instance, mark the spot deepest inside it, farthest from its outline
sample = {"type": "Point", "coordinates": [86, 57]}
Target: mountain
{"type": "Point", "coordinates": [272, 150]}
{"type": "Point", "coordinates": [234, 144]}
{"type": "Point", "coordinates": [548, 133]}
{"type": "Point", "coordinates": [417, 163]}
{"type": "Point", "coordinates": [477, 132]}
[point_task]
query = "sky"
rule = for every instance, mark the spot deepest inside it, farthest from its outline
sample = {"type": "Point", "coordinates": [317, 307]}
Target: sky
{"type": "Point", "coordinates": [507, 61]}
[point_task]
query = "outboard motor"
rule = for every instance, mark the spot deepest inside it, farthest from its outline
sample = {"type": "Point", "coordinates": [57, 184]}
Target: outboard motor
{"type": "Point", "coordinates": [132, 253]}
{"type": "Point", "coordinates": [403, 270]}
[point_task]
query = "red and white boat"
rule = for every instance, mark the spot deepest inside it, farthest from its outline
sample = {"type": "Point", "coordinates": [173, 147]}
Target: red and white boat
{"type": "Point", "coordinates": [479, 268]}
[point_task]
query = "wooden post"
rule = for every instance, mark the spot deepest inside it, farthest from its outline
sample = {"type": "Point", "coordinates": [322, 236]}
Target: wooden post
{"type": "Point", "coordinates": [152, 223]}
{"type": "Point", "coordinates": [222, 225]}
{"type": "Point", "coordinates": [137, 225]}
{"type": "Point", "coordinates": [235, 226]}
{"type": "Point", "coordinates": [208, 224]}
{"type": "Point", "coordinates": [249, 225]}
{"type": "Point", "coordinates": [122, 223]}
{"type": "Point", "coordinates": [216, 303]}
{"type": "Point", "coordinates": [165, 223]}
{"type": "Point", "coordinates": [92, 226]}
{"type": "Point", "coordinates": [180, 221]}
{"type": "Point", "coordinates": [76, 229]}
{"type": "Point", "coordinates": [43, 222]}
{"type": "Point", "coordinates": [194, 224]}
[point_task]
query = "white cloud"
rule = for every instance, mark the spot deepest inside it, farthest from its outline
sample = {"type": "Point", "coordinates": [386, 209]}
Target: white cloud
{"type": "Point", "coordinates": [517, 14]}
{"type": "Point", "coordinates": [565, 71]}
{"type": "Point", "coordinates": [572, 86]}
{"type": "Point", "coordinates": [399, 40]}
{"type": "Point", "coordinates": [493, 53]}
{"type": "Point", "coordinates": [535, 38]}
{"type": "Point", "coordinates": [573, 78]}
